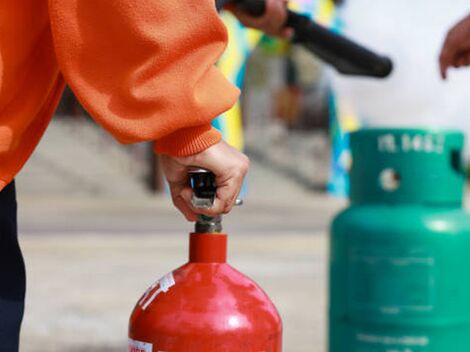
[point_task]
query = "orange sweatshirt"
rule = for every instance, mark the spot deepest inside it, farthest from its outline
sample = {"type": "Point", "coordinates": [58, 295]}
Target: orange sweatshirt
{"type": "Point", "coordinates": [143, 69]}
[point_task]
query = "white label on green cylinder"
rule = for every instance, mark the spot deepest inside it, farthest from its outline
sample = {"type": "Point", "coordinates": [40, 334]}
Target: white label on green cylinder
{"type": "Point", "coordinates": [408, 143]}
{"type": "Point", "coordinates": [386, 280]}
{"type": "Point", "coordinates": [366, 342]}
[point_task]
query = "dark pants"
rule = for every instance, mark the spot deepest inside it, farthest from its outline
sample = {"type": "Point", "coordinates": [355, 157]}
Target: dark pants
{"type": "Point", "coordinates": [12, 273]}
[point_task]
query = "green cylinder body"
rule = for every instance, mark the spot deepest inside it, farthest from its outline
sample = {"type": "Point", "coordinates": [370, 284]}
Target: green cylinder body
{"type": "Point", "coordinates": [400, 253]}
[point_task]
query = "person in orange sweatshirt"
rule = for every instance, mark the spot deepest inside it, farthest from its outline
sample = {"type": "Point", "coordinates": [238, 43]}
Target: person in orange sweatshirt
{"type": "Point", "coordinates": [143, 70]}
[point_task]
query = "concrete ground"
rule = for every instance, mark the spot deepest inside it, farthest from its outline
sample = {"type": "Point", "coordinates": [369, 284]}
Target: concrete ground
{"type": "Point", "coordinates": [93, 241]}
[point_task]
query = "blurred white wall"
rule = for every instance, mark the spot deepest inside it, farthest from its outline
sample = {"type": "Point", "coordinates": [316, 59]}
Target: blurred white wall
{"type": "Point", "coordinates": [411, 32]}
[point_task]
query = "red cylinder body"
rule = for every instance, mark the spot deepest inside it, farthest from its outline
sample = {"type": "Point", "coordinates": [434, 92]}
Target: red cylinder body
{"type": "Point", "coordinates": [205, 306]}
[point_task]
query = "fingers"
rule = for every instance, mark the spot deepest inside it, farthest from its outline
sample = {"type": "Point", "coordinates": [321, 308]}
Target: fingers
{"type": "Point", "coordinates": [179, 195]}
{"type": "Point", "coordinates": [287, 33]}
{"type": "Point", "coordinates": [225, 200]}
{"type": "Point", "coordinates": [177, 175]}
{"type": "Point", "coordinates": [228, 165]}
{"type": "Point", "coordinates": [462, 61]}
{"type": "Point", "coordinates": [229, 184]}
{"type": "Point", "coordinates": [272, 22]}
{"type": "Point", "coordinates": [250, 21]}
{"type": "Point", "coordinates": [182, 205]}
{"type": "Point", "coordinates": [227, 194]}
{"type": "Point", "coordinates": [457, 61]}
{"type": "Point", "coordinates": [443, 66]}
{"type": "Point", "coordinates": [222, 205]}
{"type": "Point", "coordinates": [443, 70]}
{"type": "Point", "coordinates": [455, 51]}
{"type": "Point", "coordinates": [447, 55]}
{"type": "Point", "coordinates": [275, 17]}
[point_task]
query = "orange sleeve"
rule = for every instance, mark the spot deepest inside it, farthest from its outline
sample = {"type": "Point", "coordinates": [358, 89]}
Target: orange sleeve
{"type": "Point", "coordinates": [145, 69]}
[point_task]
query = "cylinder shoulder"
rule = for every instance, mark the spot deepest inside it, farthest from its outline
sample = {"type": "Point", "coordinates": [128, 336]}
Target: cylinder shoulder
{"type": "Point", "coordinates": [209, 297]}
{"type": "Point", "coordinates": [380, 217]}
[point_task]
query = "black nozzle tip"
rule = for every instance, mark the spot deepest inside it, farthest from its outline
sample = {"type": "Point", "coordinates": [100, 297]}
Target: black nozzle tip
{"type": "Point", "coordinates": [385, 68]}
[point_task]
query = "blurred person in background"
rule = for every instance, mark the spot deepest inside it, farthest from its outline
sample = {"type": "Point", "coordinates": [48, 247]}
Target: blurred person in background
{"type": "Point", "coordinates": [144, 72]}
{"type": "Point", "coordinates": [455, 51]}
{"type": "Point", "coordinates": [413, 95]}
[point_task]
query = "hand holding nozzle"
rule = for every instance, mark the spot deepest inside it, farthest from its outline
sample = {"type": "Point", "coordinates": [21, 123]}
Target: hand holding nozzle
{"type": "Point", "coordinates": [204, 187]}
{"type": "Point", "coordinates": [203, 184]}
{"type": "Point", "coordinates": [345, 55]}
{"type": "Point", "coordinates": [227, 164]}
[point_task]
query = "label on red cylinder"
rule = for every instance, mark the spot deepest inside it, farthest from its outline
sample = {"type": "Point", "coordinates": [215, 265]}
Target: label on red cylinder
{"type": "Point", "coordinates": [139, 346]}
{"type": "Point", "coordinates": [162, 285]}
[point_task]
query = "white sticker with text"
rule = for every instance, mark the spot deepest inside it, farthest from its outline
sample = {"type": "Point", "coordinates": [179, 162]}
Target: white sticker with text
{"type": "Point", "coordinates": [411, 143]}
{"type": "Point", "coordinates": [138, 346]}
{"type": "Point", "coordinates": [162, 285]}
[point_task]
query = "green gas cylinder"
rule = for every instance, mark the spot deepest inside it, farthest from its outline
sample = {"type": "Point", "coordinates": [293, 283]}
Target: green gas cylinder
{"type": "Point", "coordinates": [400, 253]}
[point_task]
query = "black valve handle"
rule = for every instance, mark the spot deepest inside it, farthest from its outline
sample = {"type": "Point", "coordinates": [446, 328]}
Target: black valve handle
{"type": "Point", "coordinates": [345, 55]}
{"type": "Point", "coordinates": [204, 187]}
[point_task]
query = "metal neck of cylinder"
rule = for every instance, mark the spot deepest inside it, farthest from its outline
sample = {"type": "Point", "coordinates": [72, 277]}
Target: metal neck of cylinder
{"type": "Point", "coordinates": [207, 224]}
{"type": "Point", "coordinates": [407, 165]}
{"type": "Point", "coordinates": [207, 247]}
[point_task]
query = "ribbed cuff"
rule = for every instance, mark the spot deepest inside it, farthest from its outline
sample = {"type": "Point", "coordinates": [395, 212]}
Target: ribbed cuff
{"type": "Point", "coordinates": [188, 141]}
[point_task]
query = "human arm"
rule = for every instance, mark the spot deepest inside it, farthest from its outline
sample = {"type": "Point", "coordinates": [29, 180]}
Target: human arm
{"type": "Point", "coordinates": [145, 72]}
{"type": "Point", "coordinates": [455, 51]}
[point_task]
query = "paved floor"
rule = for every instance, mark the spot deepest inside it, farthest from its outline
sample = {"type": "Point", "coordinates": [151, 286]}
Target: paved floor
{"type": "Point", "coordinates": [90, 254]}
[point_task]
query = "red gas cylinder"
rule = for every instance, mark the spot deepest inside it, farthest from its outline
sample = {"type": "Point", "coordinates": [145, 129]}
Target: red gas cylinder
{"type": "Point", "coordinates": [205, 306]}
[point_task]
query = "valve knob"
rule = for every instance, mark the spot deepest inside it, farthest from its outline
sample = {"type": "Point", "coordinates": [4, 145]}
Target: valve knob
{"type": "Point", "coordinates": [204, 187]}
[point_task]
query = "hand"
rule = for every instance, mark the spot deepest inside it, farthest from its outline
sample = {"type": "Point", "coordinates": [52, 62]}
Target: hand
{"type": "Point", "coordinates": [227, 163]}
{"type": "Point", "coordinates": [456, 49]}
{"type": "Point", "coordinates": [271, 23]}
